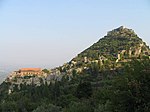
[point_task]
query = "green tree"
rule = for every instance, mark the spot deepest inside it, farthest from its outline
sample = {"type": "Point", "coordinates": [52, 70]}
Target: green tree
{"type": "Point", "coordinates": [79, 107]}
{"type": "Point", "coordinates": [84, 90]}
{"type": "Point", "coordinates": [46, 71]}
{"type": "Point", "coordinates": [94, 69]}
{"type": "Point", "coordinates": [48, 108]}
{"type": "Point", "coordinates": [131, 90]}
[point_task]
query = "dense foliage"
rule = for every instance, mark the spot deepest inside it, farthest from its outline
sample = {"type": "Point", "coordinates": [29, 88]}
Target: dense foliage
{"type": "Point", "coordinates": [126, 91]}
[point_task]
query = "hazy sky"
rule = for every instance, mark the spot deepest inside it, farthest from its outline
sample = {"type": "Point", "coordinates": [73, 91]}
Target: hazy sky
{"type": "Point", "coordinates": [48, 33]}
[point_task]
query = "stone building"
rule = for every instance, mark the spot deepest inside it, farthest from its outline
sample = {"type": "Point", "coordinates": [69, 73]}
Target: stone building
{"type": "Point", "coordinates": [30, 71]}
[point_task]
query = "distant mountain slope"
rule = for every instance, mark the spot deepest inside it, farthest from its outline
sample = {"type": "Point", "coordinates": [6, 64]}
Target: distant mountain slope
{"type": "Point", "coordinates": [3, 75]}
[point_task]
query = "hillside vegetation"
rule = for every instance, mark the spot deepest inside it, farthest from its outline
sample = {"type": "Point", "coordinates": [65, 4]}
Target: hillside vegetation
{"type": "Point", "coordinates": [113, 75]}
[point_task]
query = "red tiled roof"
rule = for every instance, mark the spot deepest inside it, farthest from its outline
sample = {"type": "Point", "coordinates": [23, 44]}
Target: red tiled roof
{"type": "Point", "coordinates": [31, 69]}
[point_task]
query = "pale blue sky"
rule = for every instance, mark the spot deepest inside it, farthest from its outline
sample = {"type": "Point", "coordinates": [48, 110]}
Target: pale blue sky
{"type": "Point", "coordinates": [48, 33]}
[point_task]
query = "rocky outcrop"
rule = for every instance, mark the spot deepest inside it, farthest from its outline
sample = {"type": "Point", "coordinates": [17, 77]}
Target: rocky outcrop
{"type": "Point", "coordinates": [122, 32]}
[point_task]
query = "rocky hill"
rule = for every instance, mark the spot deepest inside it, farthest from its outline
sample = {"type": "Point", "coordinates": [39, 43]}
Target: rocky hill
{"type": "Point", "coordinates": [118, 41]}
{"type": "Point", "coordinates": [119, 46]}
{"type": "Point", "coordinates": [113, 75]}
